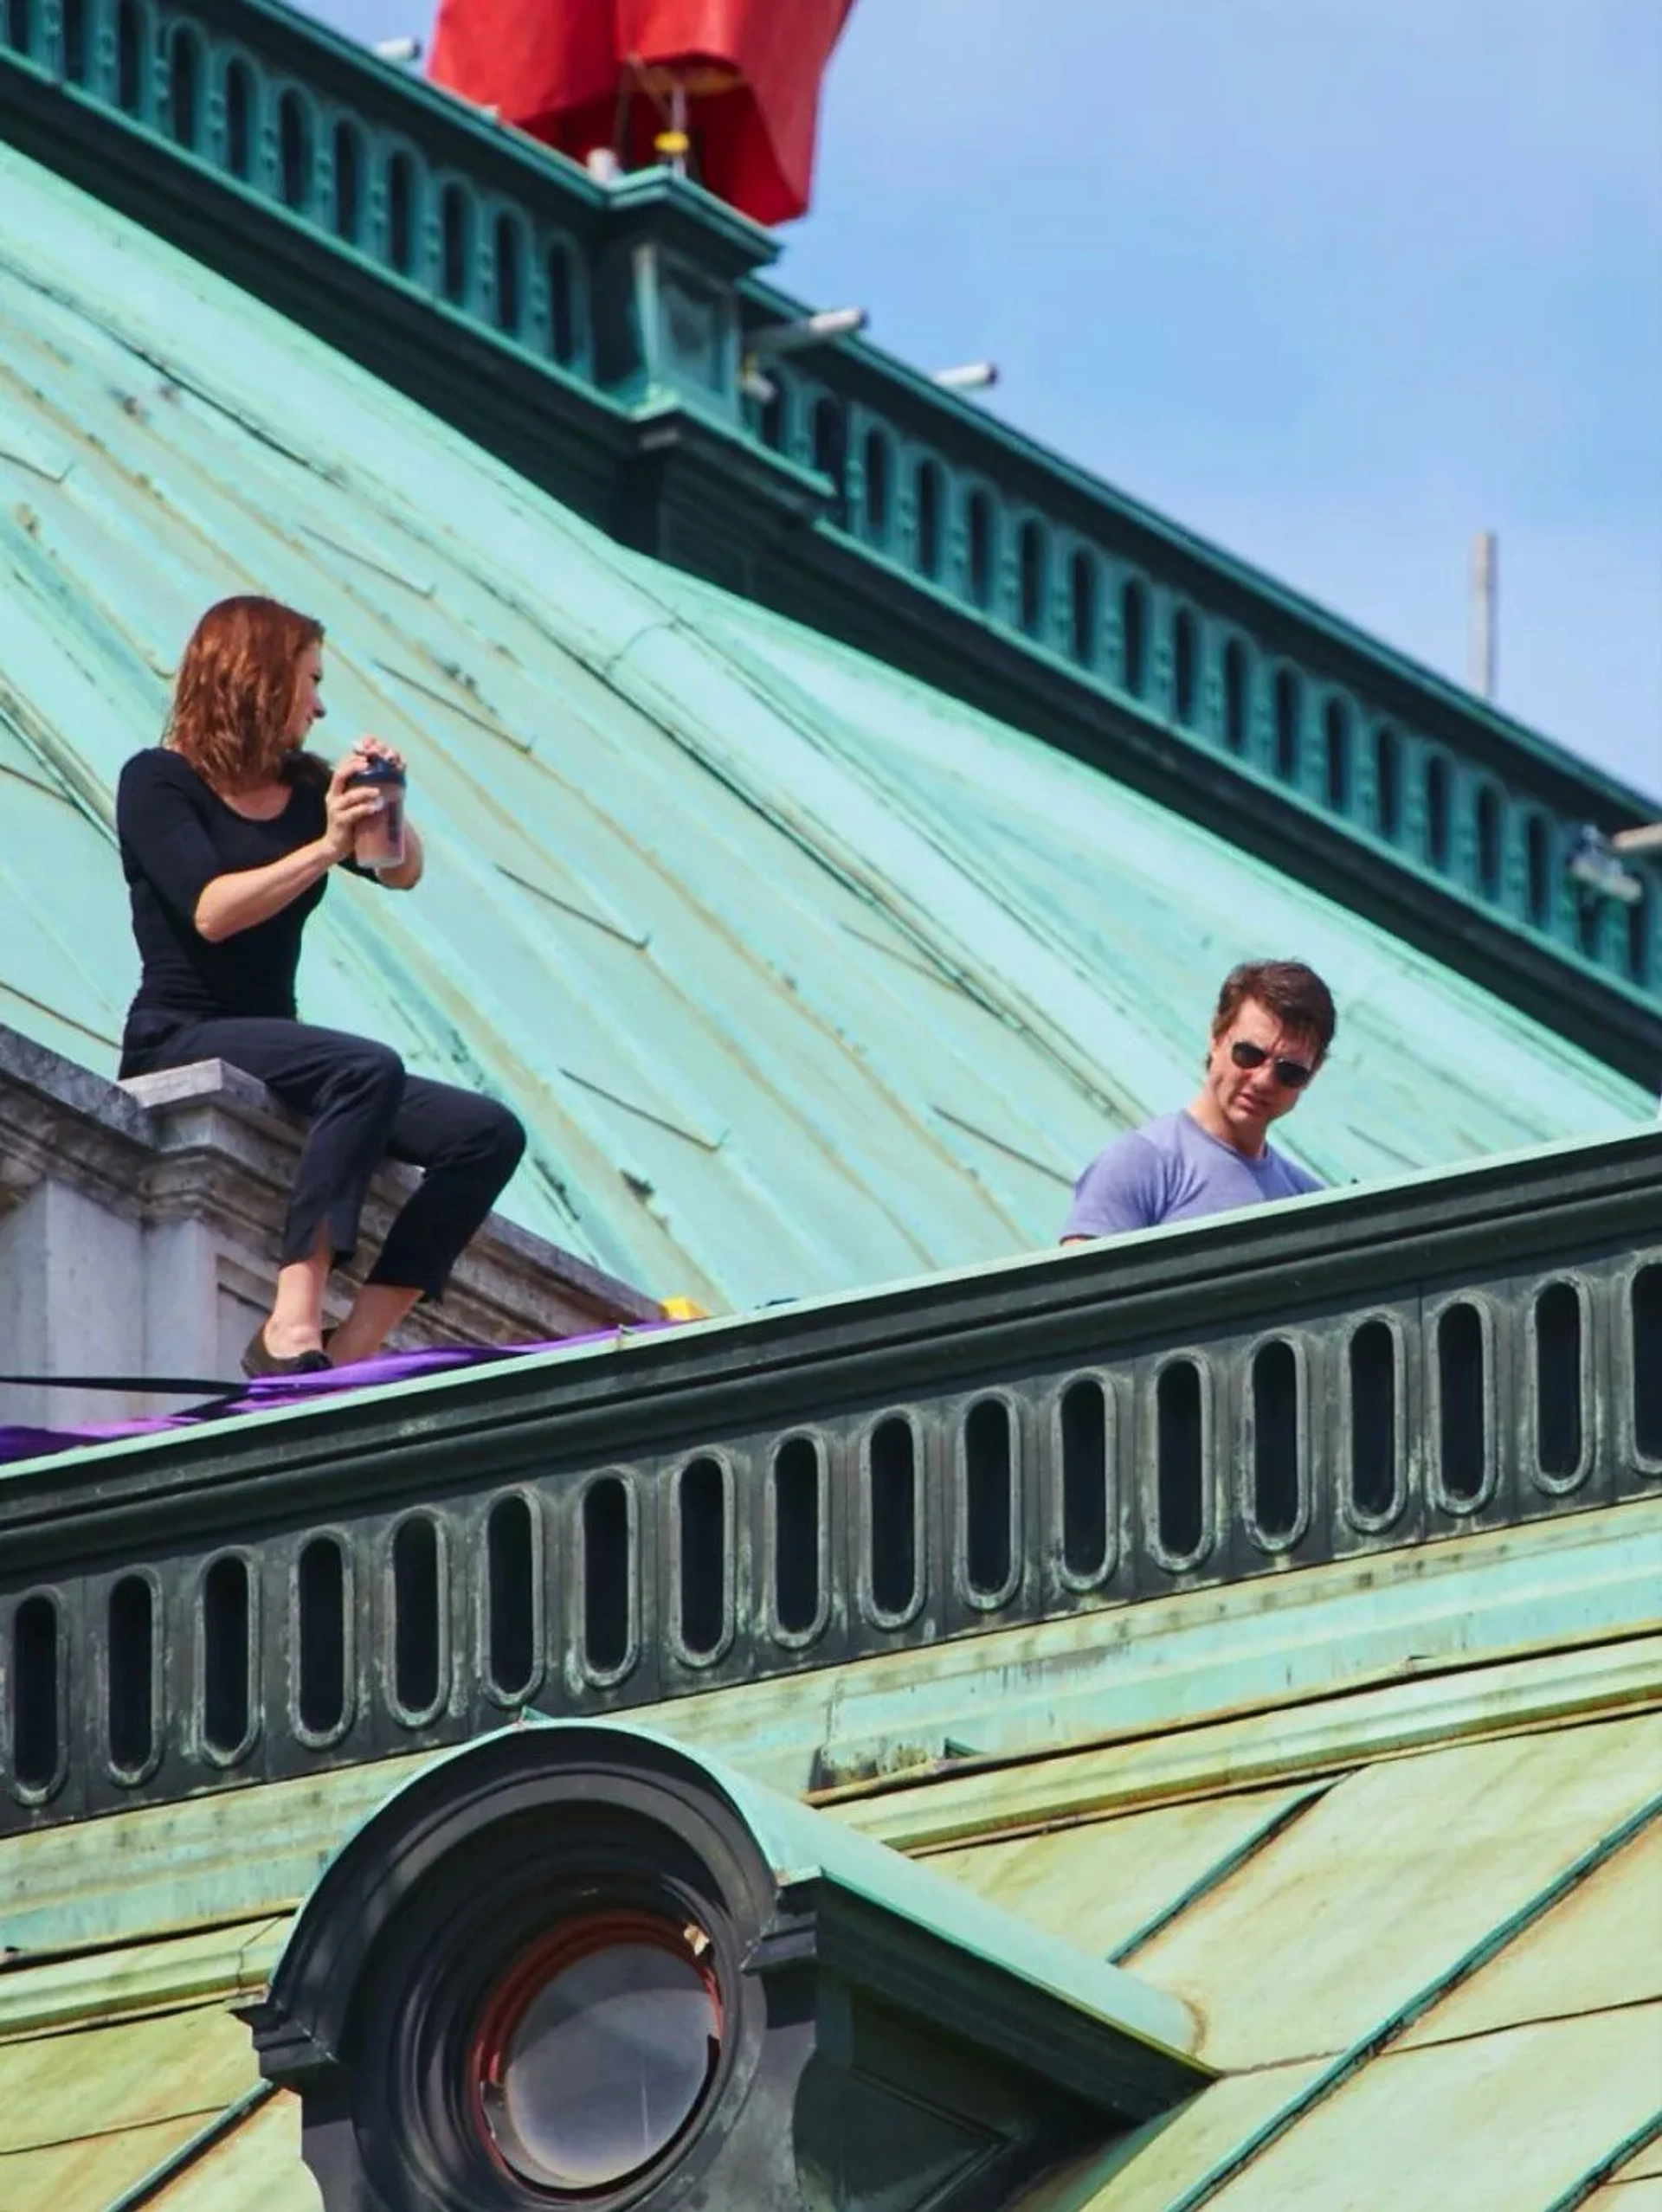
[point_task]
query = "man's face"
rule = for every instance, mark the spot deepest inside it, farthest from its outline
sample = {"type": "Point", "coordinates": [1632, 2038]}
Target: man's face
{"type": "Point", "coordinates": [1248, 1099]}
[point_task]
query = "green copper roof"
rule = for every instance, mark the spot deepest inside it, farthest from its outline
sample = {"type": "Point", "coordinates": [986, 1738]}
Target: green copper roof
{"type": "Point", "coordinates": [1413, 1937]}
{"type": "Point", "coordinates": [802, 974]}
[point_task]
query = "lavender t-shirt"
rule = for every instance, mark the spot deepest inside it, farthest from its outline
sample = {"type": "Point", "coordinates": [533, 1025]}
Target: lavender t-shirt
{"type": "Point", "coordinates": [1171, 1170]}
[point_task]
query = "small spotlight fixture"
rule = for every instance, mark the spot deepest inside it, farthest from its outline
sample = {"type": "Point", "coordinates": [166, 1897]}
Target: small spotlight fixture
{"type": "Point", "coordinates": [407, 48]}
{"type": "Point", "coordinates": [968, 376]}
{"type": "Point", "coordinates": [1595, 863]}
{"type": "Point", "coordinates": [1646, 837]}
{"type": "Point", "coordinates": [767, 344]}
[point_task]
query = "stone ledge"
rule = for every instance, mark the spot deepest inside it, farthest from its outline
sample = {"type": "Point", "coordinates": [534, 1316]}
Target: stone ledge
{"type": "Point", "coordinates": [139, 1229]}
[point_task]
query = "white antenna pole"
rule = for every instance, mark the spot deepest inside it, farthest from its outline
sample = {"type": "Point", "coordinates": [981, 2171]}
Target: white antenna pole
{"type": "Point", "coordinates": [1486, 591]}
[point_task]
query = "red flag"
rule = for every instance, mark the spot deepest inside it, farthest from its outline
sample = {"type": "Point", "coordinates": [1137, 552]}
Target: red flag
{"type": "Point", "coordinates": [587, 73]}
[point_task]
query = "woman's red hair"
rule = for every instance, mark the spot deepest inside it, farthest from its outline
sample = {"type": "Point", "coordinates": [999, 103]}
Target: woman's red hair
{"type": "Point", "coordinates": [235, 696]}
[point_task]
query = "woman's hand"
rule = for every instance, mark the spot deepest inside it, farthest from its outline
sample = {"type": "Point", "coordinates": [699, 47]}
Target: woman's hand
{"type": "Point", "coordinates": [346, 811]}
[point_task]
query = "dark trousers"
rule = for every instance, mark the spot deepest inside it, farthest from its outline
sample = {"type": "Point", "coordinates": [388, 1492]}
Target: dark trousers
{"type": "Point", "coordinates": [363, 1108]}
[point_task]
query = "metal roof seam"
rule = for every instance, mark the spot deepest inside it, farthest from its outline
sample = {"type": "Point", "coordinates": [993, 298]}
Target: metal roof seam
{"type": "Point", "coordinates": [1641, 2138]}
{"type": "Point", "coordinates": [150, 2186]}
{"type": "Point", "coordinates": [1377, 2038]}
{"type": "Point", "coordinates": [1280, 1818]}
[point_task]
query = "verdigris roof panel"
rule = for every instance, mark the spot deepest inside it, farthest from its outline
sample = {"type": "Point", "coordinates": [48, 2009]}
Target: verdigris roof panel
{"type": "Point", "coordinates": [91, 2170]}
{"type": "Point", "coordinates": [165, 2068]}
{"type": "Point", "coordinates": [255, 2167]}
{"type": "Point", "coordinates": [1623, 2195]}
{"type": "Point", "coordinates": [1645, 2165]}
{"type": "Point", "coordinates": [1150, 2173]}
{"type": "Point", "coordinates": [1599, 1945]}
{"type": "Point", "coordinates": [1497, 2124]}
{"type": "Point", "coordinates": [1346, 1914]}
{"type": "Point", "coordinates": [1099, 1884]}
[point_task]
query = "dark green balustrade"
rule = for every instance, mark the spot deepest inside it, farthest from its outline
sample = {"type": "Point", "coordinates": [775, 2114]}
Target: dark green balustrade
{"type": "Point", "coordinates": [363, 172]}
{"type": "Point", "coordinates": [1497, 834]}
{"type": "Point", "coordinates": [640, 294]}
{"type": "Point", "coordinates": [1378, 1369]}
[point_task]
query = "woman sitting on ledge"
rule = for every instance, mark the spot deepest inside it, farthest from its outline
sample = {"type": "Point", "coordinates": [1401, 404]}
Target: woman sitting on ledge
{"type": "Point", "coordinates": [228, 830]}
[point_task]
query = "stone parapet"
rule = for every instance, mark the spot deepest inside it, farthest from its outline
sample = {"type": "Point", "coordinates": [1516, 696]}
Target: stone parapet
{"type": "Point", "coordinates": [139, 1236]}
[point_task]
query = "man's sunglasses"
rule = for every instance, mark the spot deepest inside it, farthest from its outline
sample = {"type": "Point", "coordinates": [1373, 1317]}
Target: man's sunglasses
{"type": "Point", "coordinates": [1292, 1075]}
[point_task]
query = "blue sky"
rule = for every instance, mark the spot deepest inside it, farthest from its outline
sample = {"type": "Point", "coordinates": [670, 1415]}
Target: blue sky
{"type": "Point", "coordinates": [1334, 282]}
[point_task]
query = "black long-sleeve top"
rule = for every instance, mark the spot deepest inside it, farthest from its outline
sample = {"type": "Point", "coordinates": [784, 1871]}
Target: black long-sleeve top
{"type": "Point", "coordinates": [177, 834]}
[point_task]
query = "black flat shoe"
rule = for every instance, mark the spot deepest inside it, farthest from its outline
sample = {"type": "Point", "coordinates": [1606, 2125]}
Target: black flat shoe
{"type": "Point", "coordinates": [258, 1358]}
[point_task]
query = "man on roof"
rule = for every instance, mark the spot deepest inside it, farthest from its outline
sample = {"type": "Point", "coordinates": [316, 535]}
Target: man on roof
{"type": "Point", "coordinates": [1274, 1022]}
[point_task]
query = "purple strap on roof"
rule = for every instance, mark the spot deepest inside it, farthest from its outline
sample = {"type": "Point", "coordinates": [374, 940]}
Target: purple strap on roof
{"type": "Point", "coordinates": [18, 1442]}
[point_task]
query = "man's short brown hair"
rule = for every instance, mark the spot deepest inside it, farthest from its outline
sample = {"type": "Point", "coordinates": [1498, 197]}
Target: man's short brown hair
{"type": "Point", "coordinates": [1295, 994]}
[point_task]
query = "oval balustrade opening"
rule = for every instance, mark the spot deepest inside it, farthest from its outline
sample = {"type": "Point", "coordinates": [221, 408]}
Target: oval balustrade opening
{"type": "Point", "coordinates": [295, 151]}
{"type": "Point", "coordinates": [511, 1597]}
{"type": "Point", "coordinates": [37, 1747]}
{"type": "Point", "coordinates": [1288, 698]}
{"type": "Point", "coordinates": [1277, 1486]}
{"type": "Point", "coordinates": [562, 307]}
{"type": "Point", "coordinates": [877, 473]}
{"type": "Point", "coordinates": [1640, 937]}
{"type": "Point", "coordinates": [1537, 856]}
{"type": "Point", "coordinates": [701, 1560]}
{"type": "Point", "coordinates": [225, 1627]}
{"type": "Point", "coordinates": [981, 549]}
{"type": "Point", "coordinates": [1645, 1313]}
{"type": "Point", "coordinates": [131, 58]}
{"type": "Point", "coordinates": [508, 263]}
{"type": "Point", "coordinates": [417, 1617]}
{"type": "Point", "coordinates": [130, 1702]}
{"type": "Point", "coordinates": [930, 503]}
{"type": "Point", "coordinates": [1372, 1359]}
{"type": "Point", "coordinates": [1134, 636]}
{"type": "Point", "coordinates": [797, 1486]}
{"type": "Point", "coordinates": [1559, 1381]}
{"type": "Point", "coordinates": [1491, 843]}
{"type": "Point", "coordinates": [1180, 1461]}
{"type": "Point", "coordinates": [1463, 1428]}
{"type": "Point", "coordinates": [1388, 783]}
{"type": "Point", "coordinates": [1336, 741]}
{"type": "Point", "coordinates": [1087, 1521]}
{"type": "Point", "coordinates": [1439, 827]}
{"type": "Point", "coordinates": [607, 1576]}
{"type": "Point", "coordinates": [455, 244]}
{"type": "Point", "coordinates": [1084, 608]}
{"type": "Point", "coordinates": [831, 451]}
{"type": "Point", "coordinates": [892, 1517]}
{"type": "Point", "coordinates": [239, 120]}
{"type": "Point", "coordinates": [320, 1614]}
{"type": "Point", "coordinates": [1186, 667]}
{"type": "Point", "coordinates": [1237, 697]}
{"type": "Point", "coordinates": [349, 183]}
{"type": "Point", "coordinates": [183, 88]}
{"type": "Point", "coordinates": [1034, 566]}
{"type": "Point", "coordinates": [17, 27]}
{"type": "Point", "coordinates": [989, 1499]}
{"type": "Point", "coordinates": [400, 218]}
{"type": "Point", "coordinates": [72, 29]}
